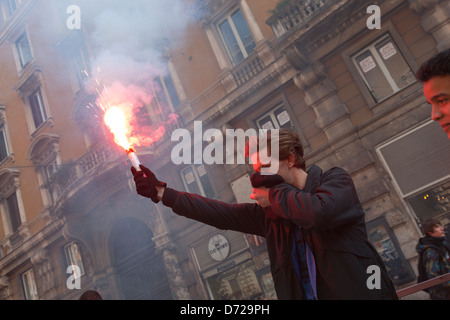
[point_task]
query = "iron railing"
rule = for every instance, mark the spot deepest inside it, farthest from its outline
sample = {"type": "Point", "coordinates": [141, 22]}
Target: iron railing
{"type": "Point", "coordinates": [423, 285]}
{"type": "Point", "coordinates": [295, 14]}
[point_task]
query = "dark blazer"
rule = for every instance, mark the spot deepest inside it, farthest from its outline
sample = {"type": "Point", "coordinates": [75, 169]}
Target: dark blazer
{"type": "Point", "coordinates": [332, 221]}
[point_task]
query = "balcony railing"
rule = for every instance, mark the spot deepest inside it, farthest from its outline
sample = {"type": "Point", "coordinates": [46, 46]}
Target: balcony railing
{"type": "Point", "coordinates": [247, 69]}
{"type": "Point", "coordinates": [71, 174]}
{"type": "Point", "coordinates": [295, 14]}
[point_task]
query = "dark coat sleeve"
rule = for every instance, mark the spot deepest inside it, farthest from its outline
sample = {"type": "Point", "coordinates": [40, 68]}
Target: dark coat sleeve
{"type": "Point", "coordinates": [331, 204]}
{"type": "Point", "coordinates": [247, 217]}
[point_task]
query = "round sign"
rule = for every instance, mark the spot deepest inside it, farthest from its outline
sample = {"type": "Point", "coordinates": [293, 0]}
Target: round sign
{"type": "Point", "coordinates": [219, 247]}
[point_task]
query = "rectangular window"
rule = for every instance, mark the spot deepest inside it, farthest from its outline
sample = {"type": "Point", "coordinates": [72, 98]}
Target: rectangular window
{"type": "Point", "coordinates": [50, 169]}
{"type": "Point", "coordinates": [196, 180]}
{"type": "Point", "coordinates": [277, 118]}
{"type": "Point", "coordinates": [164, 94]}
{"type": "Point", "coordinates": [417, 159]}
{"type": "Point", "coordinates": [37, 108]}
{"type": "Point", "coordinates": [3, 144]}
{"type": "Point", "coordinates": [23, 50]}
{"type": "Point", "coordinates": [81, 65]}
{"type": "Point", "coordinates": [13, 212]}
{"type": "Point", "coordinates": [237, 37]}
{"type": "Point", "coordinates": [29, 285]}
{"type": "Point", "coordinates": [11, 6]}
{"type": "Point", "coordinates": [171, 93]}
{"type": "Point", "coordinates": [73, 258]}
{"type": "Point", "coordinates": [383, 68]}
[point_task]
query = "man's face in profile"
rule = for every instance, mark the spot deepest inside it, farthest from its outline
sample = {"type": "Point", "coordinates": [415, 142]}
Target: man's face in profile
{"type": "Point", "coordinates": [437, 93]}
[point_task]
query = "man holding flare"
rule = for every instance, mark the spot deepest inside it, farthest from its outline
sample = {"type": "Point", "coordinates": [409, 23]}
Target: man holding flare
{"type": "Point", "coordinates": [313, 223]}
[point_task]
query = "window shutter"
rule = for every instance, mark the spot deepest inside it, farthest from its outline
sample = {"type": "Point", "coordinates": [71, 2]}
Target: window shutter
{"type": "Point", "coordinates": [419, 158]}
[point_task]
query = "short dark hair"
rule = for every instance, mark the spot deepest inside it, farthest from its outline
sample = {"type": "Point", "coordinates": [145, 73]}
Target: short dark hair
{"type": "Point", "coordinates": [90, 295]}
{"type": "Point", "coordinates": [438, 65]}
{"type": "Point", "coordinates": [428, 225]}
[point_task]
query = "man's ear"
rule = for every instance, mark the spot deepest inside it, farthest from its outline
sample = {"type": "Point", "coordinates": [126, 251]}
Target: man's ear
{"type": "Point", "coordinates": [291, 160]}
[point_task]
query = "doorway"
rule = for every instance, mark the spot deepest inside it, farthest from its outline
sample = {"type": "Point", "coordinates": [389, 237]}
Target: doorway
{"type": "Point", "coordinates": [139, 269]}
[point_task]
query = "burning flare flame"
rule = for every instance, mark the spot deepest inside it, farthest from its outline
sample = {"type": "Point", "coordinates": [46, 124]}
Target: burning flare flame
{"type": "Point", "coordinates": [115, 120]}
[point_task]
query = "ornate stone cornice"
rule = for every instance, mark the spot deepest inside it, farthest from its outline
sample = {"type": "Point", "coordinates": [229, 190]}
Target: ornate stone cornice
{"type": "Point", "coordinates": [422, 5]}
{"type": "Point", "coordinates": [9, 181]}
{"type": "Point", "coordinates": [30, 80]}
{"type": "Point", "coordinates": [206, 11]}
{"type": "Point", "coordinates": [43, 148]}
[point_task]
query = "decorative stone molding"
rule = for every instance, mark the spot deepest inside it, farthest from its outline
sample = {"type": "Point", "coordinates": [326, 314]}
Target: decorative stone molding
{"type": "Point", "coordinates": [167, 248]}
{"type": "Point", "coordinates": [9, 181]}
{"type": "Point", "coordinates": [435, 16]}
{"type": "Point", "coordinates": [175, 275]}
{"type": "Point", "coordinates": [321, 96]}
{"type": "Point", "coordinates": [310, 76]}
{"type": "Point", "coordinates": [296, 58]}
{"type": "Point", "coordinates": [42, 267]}
{"type": "Point", "coordinates": [43, 148]}
{"type": "Point", "coordinates": [29, 81]}
{"type": "Point", "coordinates": [5, 287]}
{"type": "Point", "coordinates": [421, 5]}
{"type": "Point", "coordinates": [207, 10]}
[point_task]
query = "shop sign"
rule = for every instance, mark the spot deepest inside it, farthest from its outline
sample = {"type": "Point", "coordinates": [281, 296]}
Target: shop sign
{"type": "Point", "coordinates": [219, 247]}
{"type": "Point", "coordinates": [227, 265]}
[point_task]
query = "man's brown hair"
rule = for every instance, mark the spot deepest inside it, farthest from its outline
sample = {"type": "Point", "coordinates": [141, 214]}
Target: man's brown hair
{"type": "Point", "coordinates": [428, 225]}
{"type": "Point", "coordinates": [288, 143]}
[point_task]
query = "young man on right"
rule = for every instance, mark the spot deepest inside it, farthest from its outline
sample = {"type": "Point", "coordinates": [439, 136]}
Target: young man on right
{"type": "Point", "coordinates": [435, 75]}
{"type": "Point", "coordinates": [434, 255]}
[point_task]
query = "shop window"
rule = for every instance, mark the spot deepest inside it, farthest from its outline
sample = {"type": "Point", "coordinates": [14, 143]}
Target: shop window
{"type": "Point", "coordinates": [383, 68]}
{"type": "Point", "coordinates": [29, 285]}
{"type": "Point", "coordinates": [418, 164]}
{"type": "Point", "coordinates": [196, 180]}
{"type": "Point", "coordinates": [236, 36]}
{"type": "Point", "coordinates": [238, 283]}
{"type": "Point", "coordinates": [384, 241]}
{"type": "Point", "coordinates": [433, 203]}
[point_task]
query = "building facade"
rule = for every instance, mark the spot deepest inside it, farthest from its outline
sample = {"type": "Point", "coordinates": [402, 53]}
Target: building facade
{"type": "Point", "coordinates": [71, 220]}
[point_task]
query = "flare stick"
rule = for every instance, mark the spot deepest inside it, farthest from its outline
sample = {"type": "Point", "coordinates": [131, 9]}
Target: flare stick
{"type": "Point", "coordinates": [134, 159]}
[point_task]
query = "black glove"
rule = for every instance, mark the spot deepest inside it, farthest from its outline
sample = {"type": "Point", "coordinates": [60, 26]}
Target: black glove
{"type": "Point", "coordinates": [268, 181]}
{"type": "Point", "coordinates": [146, 183]}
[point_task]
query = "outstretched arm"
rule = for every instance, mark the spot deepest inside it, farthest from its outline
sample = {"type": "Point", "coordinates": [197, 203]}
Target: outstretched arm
{"type": "Point", "coordinates": [247, 217]}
